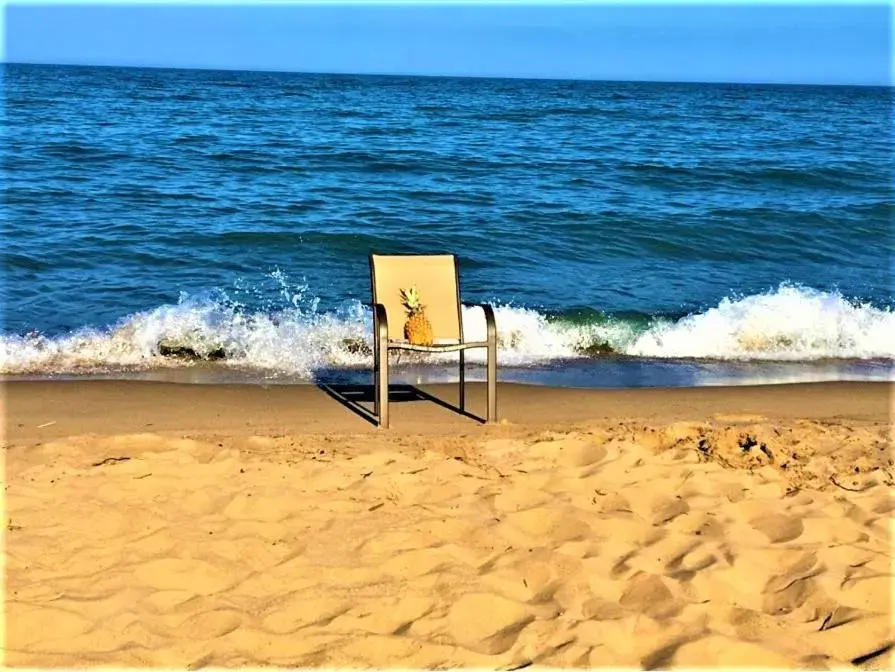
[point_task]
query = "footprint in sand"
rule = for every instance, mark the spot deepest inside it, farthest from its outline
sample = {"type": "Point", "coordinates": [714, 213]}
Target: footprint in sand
{"type": "Point", "coordinates": [383, 544]}
{"type": "Point", "coordinates": [873, 593]}
{"type": "Point", "coordinates": [856, 638]}
{"type": "Point", "coordinates": [197, 576]}
{"type": "Point", "coordinates": [598, 609]}
{"type": "Point", "coordinates": [647, 594]}
{"type": "Point", "coordinates": [28, 625]}
{"type": "Point", "coordinates": [544, 527]}
{"type": "Point", "coordinates": [785, 592]}
{"type": "Point", "coordinates": [841, 508]}
{"type": "Point", "coordinates": [486, 623]}
{"type": "Point", "coordinates": [882, 503]}
{"type": "Point", "coordinates": [578, 453]}
{"type": "Point", "coordinates": [296, 573]}
{"type": "Point", "coordinates": [445, 530]}
{"type": "Point", "coordinates": [666, 555]}
{"type": "Point", "coordinates": [609, 502]}
{"type": "Point", "coordinates": [165, 601]}
{"type": "Point", "coordinates": [698, 524]}
{"type": "Point", "coordinates": [253, 553]}
{"type": "Point", "coordinates": [845, 556]}
{"type": "Point", "coordinates": [778, 528]}
{"type": "Point", "coordinates": [158, 542]}
{"type": "Point", "coordinates": [385, 616]}
{"type": "Point", "coordinates": [279, 650]}
{"type": "Point", "coordinates": [696, 559]}
{"type": "Point", "coordinates": [798, 565]}
{"type": "Point", "coordinates": [298, 611]}
{"type": "Point", "coordinates": [655, 507]}
{"type": "Point", "coordinates": [240, 530]}
{"type": "Point", "coordinates": [831, 531]}
{"type": "Point", "coordinates": [245, 506]}
{"type": "Point", "coordinates": [626, 528]}
{"type": "Point", "coordinates": [502, 448]}
{"type": "Point", "coordinates": [382, 652]}
{"type": "Point", "coordinates": [526, 581]}
{"type": "Point", "coordinates": [211, 624]}
{"type": "Point", "coordinates": [416, 563]}
{"type": "Point", "coordinates": [513, 500]}
{"type": "Point", "coordinates": [790, 598]}
{"type": "Point", "coordinates": [720, 651]}
{"type": "Point", "coordinates": [104, 524]}
{"type": "Point", "coordinates": [181, 455]}
{"type": "Point", "coordinates": [205, 501]}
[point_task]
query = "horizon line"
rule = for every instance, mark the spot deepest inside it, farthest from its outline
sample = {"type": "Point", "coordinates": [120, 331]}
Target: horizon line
{"type": "Point", "coordinates": [887, 85]}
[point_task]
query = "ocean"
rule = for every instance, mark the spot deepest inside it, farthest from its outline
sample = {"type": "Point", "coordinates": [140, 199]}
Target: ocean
{"type": "Point", "coordinates": [629, 234]}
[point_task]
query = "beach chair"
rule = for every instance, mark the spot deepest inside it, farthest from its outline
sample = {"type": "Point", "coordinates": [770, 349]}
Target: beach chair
{"type": "Point", "coordinates": [437, 278]}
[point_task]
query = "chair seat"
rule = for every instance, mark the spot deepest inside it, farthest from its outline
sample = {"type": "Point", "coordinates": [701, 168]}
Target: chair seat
{"type": "Point", "coordinates": [394, 344]}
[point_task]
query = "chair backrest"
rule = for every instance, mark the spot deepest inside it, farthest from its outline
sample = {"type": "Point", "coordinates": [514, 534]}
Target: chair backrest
{"type": "Point", "coordinates": [437, 279]}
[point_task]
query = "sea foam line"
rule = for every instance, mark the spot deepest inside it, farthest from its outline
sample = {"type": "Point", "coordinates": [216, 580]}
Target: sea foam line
{"type": "Point", "coordinates": [789, 323]}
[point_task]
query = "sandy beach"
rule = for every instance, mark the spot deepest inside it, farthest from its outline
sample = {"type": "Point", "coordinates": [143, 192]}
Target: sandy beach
{"type": "Point", "coordinates": [167, 525]}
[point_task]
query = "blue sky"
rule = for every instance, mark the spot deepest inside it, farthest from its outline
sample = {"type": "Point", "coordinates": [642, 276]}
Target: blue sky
{"type": "Point", "coordinates": [801, 42]}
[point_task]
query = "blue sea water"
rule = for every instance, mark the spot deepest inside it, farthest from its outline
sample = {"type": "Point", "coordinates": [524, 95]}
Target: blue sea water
{"type": "Point", "coordinates": [703, 233]}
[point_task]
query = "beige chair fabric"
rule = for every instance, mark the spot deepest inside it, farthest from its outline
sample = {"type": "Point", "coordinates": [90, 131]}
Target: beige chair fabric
{"type": "Point", "coordinates": [435, 276]}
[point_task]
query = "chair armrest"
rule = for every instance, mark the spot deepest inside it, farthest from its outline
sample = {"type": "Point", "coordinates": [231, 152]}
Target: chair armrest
{"type": "Point", "coordinates": [490, 323]}
{"type": "Point", "coordinates": [380, 321]}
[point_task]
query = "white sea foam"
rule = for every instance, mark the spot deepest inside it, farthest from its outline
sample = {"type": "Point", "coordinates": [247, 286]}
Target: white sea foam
{"type": "Point", "coordinates": [789, 323]}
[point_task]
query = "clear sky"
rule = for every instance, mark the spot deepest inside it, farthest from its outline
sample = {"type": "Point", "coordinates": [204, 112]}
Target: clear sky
{"type": "Point", "coordinates": [800, 42]}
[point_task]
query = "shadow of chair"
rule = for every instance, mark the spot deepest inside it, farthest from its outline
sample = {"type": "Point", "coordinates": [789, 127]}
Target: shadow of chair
{"type": "Point", "coordinates": [352, 396]}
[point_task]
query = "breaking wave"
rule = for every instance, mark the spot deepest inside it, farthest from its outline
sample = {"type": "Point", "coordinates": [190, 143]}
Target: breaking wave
{"type": "Point", "coordinates": [789, 323]}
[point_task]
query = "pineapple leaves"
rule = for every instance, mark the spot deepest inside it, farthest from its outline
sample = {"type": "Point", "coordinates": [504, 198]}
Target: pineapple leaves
{"type": "Point", "coordinates": [411, 299]}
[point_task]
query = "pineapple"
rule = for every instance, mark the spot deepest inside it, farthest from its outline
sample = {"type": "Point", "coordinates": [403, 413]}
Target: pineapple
{"type": "Point", "coordinates": [417, 328]}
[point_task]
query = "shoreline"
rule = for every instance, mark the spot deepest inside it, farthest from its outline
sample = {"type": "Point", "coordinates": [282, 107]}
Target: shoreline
{"type": "Point", "coordinates": [113, 406]}
{"type": "Point", "coordinates": [598, 373]}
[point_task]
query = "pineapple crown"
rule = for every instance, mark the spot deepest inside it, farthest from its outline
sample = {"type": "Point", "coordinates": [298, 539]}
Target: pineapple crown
{"type": "Point", "coordinates": [411, 300]}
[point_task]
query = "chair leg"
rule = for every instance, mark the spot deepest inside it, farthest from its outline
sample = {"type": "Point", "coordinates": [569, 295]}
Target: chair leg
{"type": "Point", "coordinates": [376, 407]}
{"type": "Point", "coordinates": [462, 403]}
{"type": "Point", "coordinates": [492, 380]}
{"type": "Point", "coordinates": [380, 366]}
{"type": "Point", "coordinates": [382, 384]}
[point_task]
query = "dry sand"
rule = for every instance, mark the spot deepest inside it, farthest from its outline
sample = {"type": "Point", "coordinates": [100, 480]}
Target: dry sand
{"type": "Point", "coordinates": [189, 526]}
